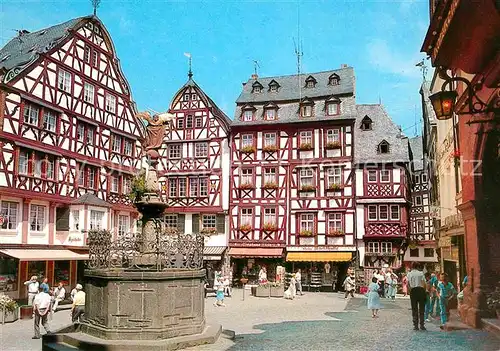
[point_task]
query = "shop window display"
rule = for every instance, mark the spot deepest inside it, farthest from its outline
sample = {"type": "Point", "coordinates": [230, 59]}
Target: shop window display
{"type": "Point", "coordinates": [8, 274]}
{"type": "Point", "coordinates": [61, 272]}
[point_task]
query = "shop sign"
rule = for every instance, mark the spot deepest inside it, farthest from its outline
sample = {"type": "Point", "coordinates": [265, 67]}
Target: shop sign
{"type": "Point", "coordinates": [321, 249]}
{"type": "Point", "coordinates": [444, 241]}
{"type": "Point", "coordinates": [74, 239]}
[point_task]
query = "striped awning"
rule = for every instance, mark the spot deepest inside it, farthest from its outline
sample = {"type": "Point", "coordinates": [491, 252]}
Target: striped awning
{"type": "Point", "coordinates": [213, 253]}
{"type": "Point", "coordinates": [319, 256]}
{"type": "Point", "coordinates": [243, 252]}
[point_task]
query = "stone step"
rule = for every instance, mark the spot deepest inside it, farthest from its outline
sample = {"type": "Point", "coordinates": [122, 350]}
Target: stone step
{"type": "Point", "coordinates": [492, 325]}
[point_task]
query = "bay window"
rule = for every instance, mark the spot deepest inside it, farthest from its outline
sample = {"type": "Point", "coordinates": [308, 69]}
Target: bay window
{"type": "Point", "coordinates": [96, 222]}
{"type": "Point", "coordinates": [385, 247]}
{"type": "Point", "coordinates": [394, 212]}
{"type": "Point", "coordinates": [383, 212]}
{"type": "Point", "coordinates": [123, 225]}
{"type": "Point", "coordinates": [372, 212]}
{"type": "Point", "coordinates": [373, 247]}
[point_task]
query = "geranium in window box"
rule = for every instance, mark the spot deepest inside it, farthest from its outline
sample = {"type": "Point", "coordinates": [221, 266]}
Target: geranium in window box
{"type": "Point", "coordinates": [305, 146]}
{"type": "Point", "coordinates": [270, 185]}
{"type": "Point", "coordinates": [247, 186]}
{"type": "Point", "coordinates": [208, 231]}
{"type": "Point", "coordinates": [270, 148]}
{"type": "Point", "coordinates": [335, 187]}
{"type": "Point", "coordinates": [307, 188]}
{"type": "Point", "coordinates": [306, 233]}
{"type": "Point", "coordinates": [269, 227]}
{"type": "Point", "coordinates": [248, 149]}
{"type": "Point", "coordinates": [331, 145]}
{"type": "Point", "coordinates": [335, 232]}
{"type": "Point", "coordinates": [245, 228]}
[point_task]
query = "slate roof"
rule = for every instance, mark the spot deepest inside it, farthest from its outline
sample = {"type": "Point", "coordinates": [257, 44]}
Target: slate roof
{"type": "Point", "coordinates": [289, 86]}
{"type": "Point", "coordinates": [383, 128]}
{"type": "Point", "coordinates": [92, 200]}
{"type": "Point", "coordinates": [25, 48]}
{"type": "Point", "coordinates": [417, 149]}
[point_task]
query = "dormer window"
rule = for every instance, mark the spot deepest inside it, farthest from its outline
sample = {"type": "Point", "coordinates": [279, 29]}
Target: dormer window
{"type": "Point", "coordinates": [248, 115]}
{"type": "Point", "coordinates": [334, 79]}
{"type": "Point", "coordinates": [257, 87]}
{"type": "Point", "coordinates": [310, 82]}
{"type": "Point", "coordinates": [270, 114]}
{"type": "Point", "coordinates": [332, 106]}
{"type": "Point", "coordinates": [366, 123]}
{"type": "Point", "coordinates": [273, 86]}
{"type": "Point", "coordinates": [383, 147]}
{"type": "Point", "coordinates": [306, 111]}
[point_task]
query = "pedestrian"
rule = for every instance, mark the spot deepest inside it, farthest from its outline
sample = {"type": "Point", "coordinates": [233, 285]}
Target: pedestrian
{"type": "Point", "coordinates": [374, 297]}
{"type": "Point", "coordinates": [434, 298]}
{"type": "Point", "coordinates": [388, 283]}
{"type": "Point", "coordinates": [263, 275]}
{"type": "Point", "coordinates": [32, 285]}
{"type": "Point", "coordinates": [445, 291]}
{"type": "Point", "coordinates": [227, 286]}
{"type": "Point", "coordinates": [298, 282]}
{"type": "Point", "coordinates": [349, 286]}
{"type": "Point", "coordinates": [416, 281]}
{"type": "Point", "coordinates": [59, 295]}
{"type": "Point", "coordinates": [393, 286]}
{"type": "Point", "coordinates": [290, 292]}
{"type": "Point", "coordinates": [41, 308]}
{"type": "Point", "coordinates": [78, 307]}
{"type": "Point", "coordinates": [219, 288]}
{"type": "Point", "coordinates": [379, 274]}
{"type": "Point", "coordinates": [428, 293]}
{"type": "Point", "coordinates": [45, 285]}
{"type": "Point", "coordinates": [73, 293]}
{"type": "Point", "coordinates": [404, 285]}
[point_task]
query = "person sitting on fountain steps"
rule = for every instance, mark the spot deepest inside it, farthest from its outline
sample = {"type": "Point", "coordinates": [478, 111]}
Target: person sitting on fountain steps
{"type": "Point", "coordinates": [78, 308]}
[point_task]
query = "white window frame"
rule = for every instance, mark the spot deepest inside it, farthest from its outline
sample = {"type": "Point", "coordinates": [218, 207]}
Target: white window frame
{"type": "Point", "coordinates": [370, 174]}
{"type": "Point", "coordinates": [269, 175]}
{"type": "Point", "coordinates": [24, 157]}
{"type": "Point", "coordinates": [424, 178]}
{"type": "Point", "coordinates": [92, 173]}
{"type": "Point", "coordinates": [171, 220]}
{"type": "Point", "coordinates": [417, 179]}
{"type": "Point", "coordinates": [95, 58]}
{"type": "Point", "coordinates": [10, 211]}
{"type": "Point", "coordinates": [373, 247]}
{"type": "Point", "coordinates": [333, 136]}
{"type": "Point", "coordinates": [180, 123]}
{"type": "Point", "coordinates": [270, 139]}
{"type": "Point", "coordinates": [306, 176]}
{"type": "Point", "coordinates": [193, 187]}
{"type": "Point", "coordinates": [175, 151]}
{"type": "Point", "coordinates": [307, 110]}
{"type": "Point", "coordinates": [187, 96]}
{"type": "Point", "coordinates": [385, 176]}
{"type": "Point", "coordinates": [247, 176]}
{"type": "Point", "coordinates": [182, 186]}
{"type": "Point", "coordinates": [123, 225]}
{"type": "Point", "coordinates": [335, 221]}
{"type": "Point", "coordinates": [306, 137]}
{"type": "Point", "coordinates": [110, 103]}
{"type": "Point", "coordinates": [334, 176]}
{"type": "Point", "coordinates": [198, 122]}
{"type": "Point", "coordinates": [307, 222]}
{"type": "Point", "coordinates": [248, 115]}
{"type": "Point", "coordinates": [96, 220]}
{"type": "Point", "coordinates": [37, 218]}
{"type": "Point", "coordinates": [203, 186]}
{"type": "Point", "coordinates": [172, 187]}
{"type": "Point", "coordinates": [75, 220]}
{"type": "Point", "coordinates": [49, 167]}
{"type": "Point", "coordinates": [31, 114]}
{"type": "Point", "coordinates": [209, 221]}
{"type": "Point", "coordinates": [189, 121]}
{"type": "Point", "coordinates": [270, 114]}
{"type": "Point", "coordinates": [64, 81]}
{"type": "Point", "coordinates": [418, 198]}
{"type": "Point", "coordinates": [395, 210]}
{"type": "Point", "coordinates": [246, 140]}
{"type": "Point", "coordinates": [127, 147]}
{"type": "Point", "coordinates": [117, 143]}
{"type": "Point", "coordinates": [37, 167]}
{"type": "Point", "coordinates": [270, 215]}
{"type": "Point", "coordinates": [127, 185]}
{"type": "Point", "coordinates": [49, 120]}
{"type": "Point", "coordinates": [80, 132]}
{"type": "Point", "coordinates": [88, 93]}
{"type": "Point", "coordinates": [246, 216]}
{"type": "Point", "coordinates": [420, 226]}
{"type": "Point", "coordinates": [332, 108]}
{"type": "Point", "coordinates": [115, 183]}
{"type": "Point", "coordinates": [386, 215]}
{"type": "Point", "coordinates": [385, 247]}
{"type": "Point", "coordinates": [86, 54]}
{"type": "Point", "coordinates": [372, 212]}
{"type": "Point", "coordinates": [201, 149]}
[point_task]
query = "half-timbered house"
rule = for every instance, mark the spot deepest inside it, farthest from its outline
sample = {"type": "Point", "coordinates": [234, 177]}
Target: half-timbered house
{"type": "Point", "coordinates": [68, 149]}
{"type": "Point", "coordinates": [422, 242]}
{"type": "Point", "coordinates": [193, 170]}
{"type": "Point", "coordinates": [291, 173]}
{"type": "Point", "coordinates": [383, 184]}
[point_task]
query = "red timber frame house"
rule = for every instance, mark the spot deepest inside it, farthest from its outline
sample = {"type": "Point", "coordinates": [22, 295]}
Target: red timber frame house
{"type": "Point", "coordinates": [462, 42]}
{"type": "Point", "coordinates": [292, 183]}
{"type": "Point", "coordinates": [69, 146]}
{"type": "Point", "coordinates": [383, 184]}
{"type": "Point", "coordinates": [193, 171]}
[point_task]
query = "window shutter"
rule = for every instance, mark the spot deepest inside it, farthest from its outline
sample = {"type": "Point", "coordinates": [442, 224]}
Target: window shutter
{"type": "Point", "coordinates": [221, 223]}
{"type": "Point", "coordinates": [62, 218]}
{"type": "Point", "coordinates": [181, 223]}
{"type": "Point", "coordinates": [196, 223]}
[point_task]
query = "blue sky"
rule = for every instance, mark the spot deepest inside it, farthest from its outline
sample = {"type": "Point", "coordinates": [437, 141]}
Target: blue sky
{"type": "Point", "coordinates": [380, 39]}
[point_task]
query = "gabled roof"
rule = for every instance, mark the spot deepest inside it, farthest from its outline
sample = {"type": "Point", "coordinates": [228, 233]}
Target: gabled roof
{"type": "Point", "coordinates": [417, 149]}
{"type": "Point", "coordinates": [92, 200]}
{"type": "Point", "coordinates": [291, 85]}
{"type": "Point", "coordinates": [383, 128]}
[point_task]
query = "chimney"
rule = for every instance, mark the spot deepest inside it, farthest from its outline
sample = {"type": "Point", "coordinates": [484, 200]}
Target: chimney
{"type": "Point", "coordinates": [344, 65]}
{"type": "Point", "coordinates": [255, 76]}
{"type": "Point", "coordinates": [244, 83]}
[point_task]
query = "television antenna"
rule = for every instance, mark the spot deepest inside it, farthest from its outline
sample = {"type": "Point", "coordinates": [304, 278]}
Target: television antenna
{"type": "Point", "coordinates": [95, 5]}
{"type": "Point", "coordinates": [256, 67]}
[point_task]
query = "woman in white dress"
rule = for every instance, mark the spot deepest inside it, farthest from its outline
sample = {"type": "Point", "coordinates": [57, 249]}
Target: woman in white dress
{"type": "Point", "coordinates": [290, 292]}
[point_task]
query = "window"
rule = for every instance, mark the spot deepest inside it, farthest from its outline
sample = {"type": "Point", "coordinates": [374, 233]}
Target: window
{"type": "Point", "coordinates": [310, 84]}
{"type": "Point", "coordinates": [199, 122]}
{"type": "Point", "coordinates": [247, 216]}
{"type": "Point", "coordinates": [332, 108]}
{"type": "Point", "coordinates": [394, 212]}
{"type": "Point", "coordinates": [81, 176]}
{"type": "Point", "coordinates": [269, 216]}
{"type": "Point", "coordinates": [96, 220]}
{"type": "Point", "coordinates": [182, 187]}
{"type": "Point", "coordinates": [95, 58]}
{"type": "Point", "coordinates": [372, 212]}
{"type": "Point", "coordinates": [257, 88]}
{"type": "Point", "coordinates": [306, 177]}
{"type": "Point", "coordinates": [334, 176]}
{"type": "Point", "coordinates": [273, 88]}
{"type": "Point", "coordinates": [385, 176]}
{"type": "Point", "coordinates": [269, 175]}
{"type": "Point", "coordinates": [247, 176]}
{"type": "Point", "coordinates": [383, 212]}
{"type": "Point", "coordinates": [110, 103]}
{"type": "Point", "coordinates": [64, 81]}
{"type": "Point", "coordinates": [414, 252]}
{"type": "Point", "coordinates": [37, 218]}
{"type": "Point", "coordinates": [189, 121]}
{"type": "Point", "coordinates": [90, 135]}
{"type": "Point", "coordinates": [9, 214]}
{"type": "Point", "coordinates": [203, 186]}
{"type": "Point", "coordinates": [75, 217]}
{"type": "Point", "coordinates": [307, 222]}
{"type": "Point", "coordinates": [424, 178]}
{"type": "Point", "coordinates": [372, 176]}
{"type": "Point", "coordinates": [186, 97]}
{"type": "Point", "coordinates": [91, 179]}
{"type": "Point", "coordinates": [88, 93]}
{"type": "Point", "coordinates": [171, 221]}
{"type": "Point", "coordinates": [123, 225]}
{"type": "Point", "coordinates": [23, 162]}
{"type": "Point", "coordinates": [200, 149]}
{"type": "Point", "coordinates": [80, 132]}
{"type": "Point", "coordinates": [373, 247]}
{"type": "Point", "coordinates": [305, 137]}
{"type": "Point", "coordinates": [127, 147]}
{"type": "Point", "coordinates": [418, 200]}
{"type": "Point", "coordinates": [209, 221]}
{"type": "Point", "coordinates": [49, 120]}
{"type": "Point", "coordinates": [117, 143]}
{"type": "Point", "coordinates": [306, 111]}
{"type": "Point", "coordinates": [31, 113]}
{"type": "Point", "coordinates": [420, 226]}
{"type": "Point", "coordinates": [383, 147]}
{"type": "Point", "coordinates": [366, 123]}
{"type": "Point", "coordinates": [127, 184]}
{"type": "Point", "coordinates": [37, 167]}
{"type": "Point", "coordinates": [334, 222]}
{"type": "Point", "coordinates": [85, 133]}
{"type": "Point", "coordinates": [174, 151]}
{"type": "Point", "coordinates": [269, 139]}
{"type": "Point", "coordinates": [248, 115]}
{"type": "Point", "coordinates": [180, 123]}
{"type": "Point", "coordinates": [193, 187]}
{"type": "Point", "coordinates": [333, 136]}
{"type": "Point", "coordinates": [193, 97]}
{"type": "Point", "coordinates": [333, 81]}
{"type": "Point", "coordinates": [172, 187]}
{"type": "Point", "coordinates": [386, 247]}
{"type": "Point", "coordinates": [270, 114]}
{"type": "Point", "coordinates": [115, 182]}
{"type": "Point", "coordinates": [428, 252]}
{"type": "Point", "coordinates": [86, 54]}
{"type": "Point", "coordinates": [417, 179]}
{"type": "Point", "coordinates": [246, 140]}
{"type": "Point", "coordinates": [49, 167]}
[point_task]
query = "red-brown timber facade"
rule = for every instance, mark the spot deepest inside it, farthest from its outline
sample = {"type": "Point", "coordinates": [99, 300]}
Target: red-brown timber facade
{"type": "Point", "coordinates": [69, 147]}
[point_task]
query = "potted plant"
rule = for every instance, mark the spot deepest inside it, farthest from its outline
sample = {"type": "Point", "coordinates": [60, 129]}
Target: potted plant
{"type": "Point", "coordinates": [208, 231]}
{"type": "Point", "coordinates": [9, 309]}
{"type": "Point", "coordinates": [307, 188]}
{"type": "Point", "coordinates": [246, 186]}
{"type": "Point", "coordinates": [245, 227]}
{"type": "Point", "coordinates": [335, 187]}
{"type": "Point", "coordinates": [333, 145]}
{"type": "Point", "coordinates": [270, 185]}
{"type": "Point", "coordinates": [305, 232]}
{"type": "Point", "coordinates": [138, 187]}
{"type": "Point", "coordinates": [248, 149]}
{"type": "Point", "coordinates": [305, 146]}
{"type": "Point", "coordinates": [269, 227]}
{"type": "Point", "coordinates": [270, 148]}
{"type": "Point", "coordinates": [335, 232]}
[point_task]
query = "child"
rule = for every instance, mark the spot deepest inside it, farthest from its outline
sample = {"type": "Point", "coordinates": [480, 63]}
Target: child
{"type": "Point", "coordinates": [445, 292]}
{"type": "Point", "coordinates": [219, 287]}
{"type": "Point", "coordinates": [374, 298]}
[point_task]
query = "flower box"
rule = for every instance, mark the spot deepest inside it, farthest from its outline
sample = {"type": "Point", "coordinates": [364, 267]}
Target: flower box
{"type": "Point", "coordinates": [307, 188]}
{"type": "Point", "coordinates": [269, 227]}
{"type": "Point", "coordinates": [331, 145]}
{"type": "Point", "coordinates": [248, 149]}
{"type": "Point", "coordinates": [335, 232]}
{"type": "Point", "coordinates": [268, 290]}
{"type": "Point", "coordinates": [335, 187]}
{"type": "Point", "coordinates": [247, 186]}
{"type": "Point", "coordinates": [245, 228]}
{"type": "Point", "coordinates": [270, 185]}
{"type": "Point", "coordinates": [10, 316]}
{"type": "Point", "coordinates": [9, 309]}
{"type": "Point", "coordinates": [208, 231]}
{"type": "Point", "coordinates": [305, 147]}
{"type": "Point", "coordinates": [270, 148]}
{"type": "Point", "coordinates": [306, 233]}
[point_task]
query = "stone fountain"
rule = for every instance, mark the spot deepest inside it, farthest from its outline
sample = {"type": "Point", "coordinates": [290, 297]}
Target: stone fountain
{"type": "Point", "coordinates": [143, 290]}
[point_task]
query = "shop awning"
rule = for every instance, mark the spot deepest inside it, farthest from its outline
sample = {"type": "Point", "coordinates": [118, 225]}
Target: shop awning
{"type": "Point", "coordinates": [242, 252]}
{"type": "Point", "coordinates": [44, 255]}
{"type": "Point", "coordinates": [213, 253]}
{"type": "Point", "coordinates": [319, 256]}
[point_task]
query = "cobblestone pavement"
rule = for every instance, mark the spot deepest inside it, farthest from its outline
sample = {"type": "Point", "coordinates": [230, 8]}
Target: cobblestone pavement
{"type": "Point", "coordinates": [315, 321]}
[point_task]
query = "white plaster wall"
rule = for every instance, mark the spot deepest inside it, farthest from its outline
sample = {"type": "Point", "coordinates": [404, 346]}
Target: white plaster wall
{"type": "Point", "coordinates": [359, 182]}
{"type": "Point", "coordinates": [396, 173]}
{"type": "Point", "coordinates": [360, 222]}
{"type": "Point", "coordinates": [349, 223]}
